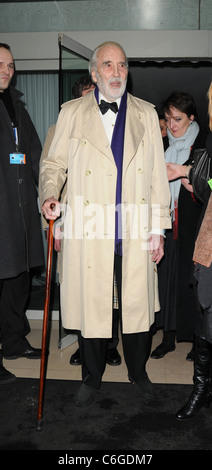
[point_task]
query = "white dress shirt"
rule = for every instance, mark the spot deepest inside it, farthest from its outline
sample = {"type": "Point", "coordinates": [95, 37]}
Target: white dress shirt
{"type": "Point", "coordinates": [109, 118]}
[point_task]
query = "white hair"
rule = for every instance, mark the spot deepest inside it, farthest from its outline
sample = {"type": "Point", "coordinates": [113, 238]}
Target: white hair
{"type": "Point", "coordinates": [93, 59]}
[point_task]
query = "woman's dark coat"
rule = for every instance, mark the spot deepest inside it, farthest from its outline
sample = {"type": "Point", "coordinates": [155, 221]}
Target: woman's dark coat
{"type": "Point", "coordinates": [21, 245]}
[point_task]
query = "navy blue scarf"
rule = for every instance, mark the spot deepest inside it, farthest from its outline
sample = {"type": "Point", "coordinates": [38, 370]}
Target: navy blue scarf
{"type": "Point", "coordinates": [117, 147]}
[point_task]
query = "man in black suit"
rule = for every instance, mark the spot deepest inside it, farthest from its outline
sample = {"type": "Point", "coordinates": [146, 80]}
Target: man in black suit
{"type": "Point", "coordinates": [21, 246]}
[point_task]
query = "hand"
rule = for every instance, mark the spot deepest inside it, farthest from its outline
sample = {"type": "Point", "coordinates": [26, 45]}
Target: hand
{"type": "Point", "coordinates": [156, 247]}
{"type": "Point", "coordinates": [49, 212]}
{"type": "Point", "coordinates": [175, 171]}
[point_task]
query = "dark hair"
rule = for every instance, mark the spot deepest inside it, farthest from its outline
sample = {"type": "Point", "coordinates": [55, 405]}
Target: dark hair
{"type": "Point", "coordinates": [81, 84]}
{"type": "Point", "coordinates": [182, 101]}
{"type": "Point", "coordinates": [6, 46]}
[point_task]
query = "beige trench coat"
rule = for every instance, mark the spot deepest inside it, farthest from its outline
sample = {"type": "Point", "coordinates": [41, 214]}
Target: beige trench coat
{"type": "Point", "coordinates": [81, 153]}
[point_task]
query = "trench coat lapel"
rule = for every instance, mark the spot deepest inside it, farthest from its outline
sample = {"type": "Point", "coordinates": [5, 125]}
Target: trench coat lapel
{"type": "Point", "coordinates": [134, 131]}
{"type": "Point", "coordinates": [93, 129]}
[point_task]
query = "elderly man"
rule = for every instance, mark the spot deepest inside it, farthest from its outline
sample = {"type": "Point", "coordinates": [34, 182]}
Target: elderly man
{"type": "Point", "coordinates": [109, 147]}
{"type": "Point", "coordinates": [81, 87]}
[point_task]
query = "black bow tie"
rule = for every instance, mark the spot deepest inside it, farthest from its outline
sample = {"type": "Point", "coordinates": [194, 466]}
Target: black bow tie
{"type": "Point", "coordinates": [104, 106]}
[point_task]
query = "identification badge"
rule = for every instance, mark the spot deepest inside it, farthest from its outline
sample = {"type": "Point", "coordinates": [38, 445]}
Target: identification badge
{"type": "Point", "coordinates": [18, 158]}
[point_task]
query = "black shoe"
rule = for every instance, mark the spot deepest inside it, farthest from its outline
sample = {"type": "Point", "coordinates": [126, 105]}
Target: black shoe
{"type": "Point", "coordinates": [201, 395]}
{"type": "Point", "coordinates": [144, 388]}
{"type": "Point", "coordinates": [190, 355]}
{"type": "Point", "coordinates": [113, 357]}
{"type": "Point", "coordinates": [29, 353]}
{"type": "Point", "coordinates": [76, 359]}
{"type": "Point", "coordinates": [85, 395]}
{"type": "Point", "coordinates": [162, 350]}
{"type": "Point", "coordinates": [194, 404]}
{"type": "Point", "coordinates": [6, 377]}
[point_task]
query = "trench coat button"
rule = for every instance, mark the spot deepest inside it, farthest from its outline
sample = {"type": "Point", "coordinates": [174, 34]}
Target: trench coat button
{"type": "Point", "coordinates": [89, 267]}
{"type": "Point", "coordinates": [86, 203]}
{"type": "Point", "coordinates": [143, 201]}
{"type": "Point", "coordinates": [88, 172]}
{"type": "Point", "coordinates": [20, 181]}
{"type": "Point", "coordinates": [140, 171]}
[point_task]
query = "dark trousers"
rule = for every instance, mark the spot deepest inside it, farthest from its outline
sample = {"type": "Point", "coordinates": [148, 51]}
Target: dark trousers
{"type": "Point", "coordinates": [136, 347]}
{"type": "Point", "coordinates": [113, 342]}
{"type": "Point", "coordinates": [14, 326]}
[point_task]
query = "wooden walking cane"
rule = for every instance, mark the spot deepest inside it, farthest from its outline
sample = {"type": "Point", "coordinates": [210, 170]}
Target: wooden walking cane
{"type": "Point", "coordinates": [45, 324]}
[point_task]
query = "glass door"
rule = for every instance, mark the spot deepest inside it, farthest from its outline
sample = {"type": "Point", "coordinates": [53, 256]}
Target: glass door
{"type": "Point", "coordinates": [74, 59]}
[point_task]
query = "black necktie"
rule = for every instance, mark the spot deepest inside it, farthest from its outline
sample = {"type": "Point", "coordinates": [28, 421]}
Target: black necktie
{"type": "Point", "coordinates": [104, 106]}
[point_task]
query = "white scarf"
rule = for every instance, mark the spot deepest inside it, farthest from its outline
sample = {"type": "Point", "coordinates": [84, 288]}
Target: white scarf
{"type": "Point", "coordinates": [178, 152]}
